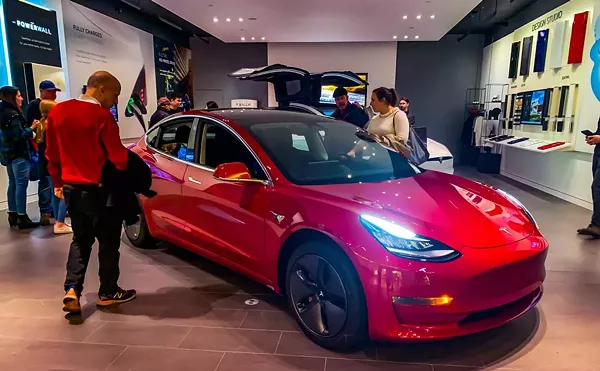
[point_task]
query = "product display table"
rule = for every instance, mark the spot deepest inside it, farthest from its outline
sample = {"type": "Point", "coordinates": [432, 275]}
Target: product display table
{"type": "Point", "coordinates": [532, 144]}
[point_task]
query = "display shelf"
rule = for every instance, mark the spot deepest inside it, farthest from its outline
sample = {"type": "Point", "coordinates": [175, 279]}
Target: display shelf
{"type": "Point", "coordinates": [532, 144]}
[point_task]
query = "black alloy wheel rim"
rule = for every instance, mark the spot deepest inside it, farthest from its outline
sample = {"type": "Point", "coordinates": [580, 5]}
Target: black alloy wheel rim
{"type": "Point", "coordinates": [319, 296]}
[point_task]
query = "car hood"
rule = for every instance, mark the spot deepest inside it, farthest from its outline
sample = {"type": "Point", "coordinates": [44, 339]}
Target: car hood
{"type": "Point", "coordinates": [447, 208]}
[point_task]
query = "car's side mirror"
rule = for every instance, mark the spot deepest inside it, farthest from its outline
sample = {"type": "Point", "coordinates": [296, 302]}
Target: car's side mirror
{"type": "Point", "coordinates": [236, 172]}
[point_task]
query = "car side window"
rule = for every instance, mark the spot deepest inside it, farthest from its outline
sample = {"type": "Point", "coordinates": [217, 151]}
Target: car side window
{"type": "Point", "coordinates": [151, 138]}
{"type": "Point", "coordinates": [177, 140]}
{"type": "Point", "coordinates": [220, 146]}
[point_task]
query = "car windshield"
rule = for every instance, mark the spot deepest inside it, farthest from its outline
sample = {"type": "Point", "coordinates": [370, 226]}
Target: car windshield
{"type": "Point", "coordinates": [315, 152]}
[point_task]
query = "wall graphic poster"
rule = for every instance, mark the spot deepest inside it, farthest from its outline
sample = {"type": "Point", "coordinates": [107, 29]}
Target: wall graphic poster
{"type": "Point", "coordinates": [95, 42]}
{"type": "Point", "coordinates": [32, 37]}
{"type": "Point", "coordinates": [595, 57]}
{"type": "Point", "coordinates": [173, 71]}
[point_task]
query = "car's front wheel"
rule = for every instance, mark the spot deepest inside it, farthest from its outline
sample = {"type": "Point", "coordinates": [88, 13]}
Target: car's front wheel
{"type": "Point", "coordinates": [139, 235]}
{"type": "Point", "coordinates": [326, 296]}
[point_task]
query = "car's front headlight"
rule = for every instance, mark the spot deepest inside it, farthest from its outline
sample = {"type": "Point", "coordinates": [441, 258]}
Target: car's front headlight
{"type": "Point", "coordinates": [405, 243]}
{"type": "Point", "coordinates": [518, 204]}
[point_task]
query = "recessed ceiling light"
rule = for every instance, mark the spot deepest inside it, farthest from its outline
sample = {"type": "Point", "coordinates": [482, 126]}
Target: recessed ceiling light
{"type": "Point", "coordinates": [405, 17]}
{"type": "Point", "coordinates": [253, 38]}
{"type": "Point", "coordinates": [406, 36]}
{"type": "Point", "coordinates": [419, 16]}
{"type": "Point", "coordinates": [263, 38]}
{"type": "Point", "coordinates": [228, 19]}
{"type": "Point", "coordinates": [395, 37]}
{"type": "Point", "coordinates": [416, 37]}
{"type": "Point", "coordinates": [241, 19]}
{"type": "Point", "coordinates": [215, 19]}
{"type": "Point", "coordinates": [243, 38]}
{"type": "Point", "coordinates": [432, 16]}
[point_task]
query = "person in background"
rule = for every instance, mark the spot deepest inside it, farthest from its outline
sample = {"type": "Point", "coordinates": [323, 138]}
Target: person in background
{"type": "Point", "coordinates": [388, 119]}
{"type": "Point", "coordinates": [593, 229]}
{"type": "Point", "coordinates": [348, 112]}
{"type": "Point", "coordinates": [211, 104]}
{"type": "Point", "coordinates": [405, 107]}
{"type": "Point", "coordinates": [58, 204]}
{"type": "Point", "coordinates": [15, 135]}
{"type": "Point", "coordinates": [167, 106]}
{"type": "Point", "coordinates": [81, 136]}
{"type": "Point", "coordinates": [48, 92]}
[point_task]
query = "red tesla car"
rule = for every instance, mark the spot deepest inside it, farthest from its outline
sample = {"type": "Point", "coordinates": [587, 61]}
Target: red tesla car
{"type": "Point", "coordinates": [362, 246]}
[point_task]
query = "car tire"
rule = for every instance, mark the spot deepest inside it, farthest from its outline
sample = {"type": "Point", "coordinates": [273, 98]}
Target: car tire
{"type": "Point", "coordinates": [343, 326]}
{"type": "Point", "coordinates": [140, 236]}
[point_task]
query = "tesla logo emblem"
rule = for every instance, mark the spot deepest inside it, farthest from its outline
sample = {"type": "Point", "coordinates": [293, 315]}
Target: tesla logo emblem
{"type": "Point", "coordinates": [504, 230]}
{"type": "Point", "coordinates": [278, 217]}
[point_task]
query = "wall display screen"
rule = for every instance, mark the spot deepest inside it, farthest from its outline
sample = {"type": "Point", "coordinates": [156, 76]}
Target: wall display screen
{"type": "Point", "coordinates": [517, 109]}
{"type": "Point", "coordinates": [576, 46]}
{"type": "Point", "coordinates": [514, 60]}
{"type": "Point", "coordinates": [541, 48]}
{"type": "Point", "coordinates": [32, 37]}
{"type": "Point", "coordinates": [534, 104]}
{"type": "Point", "coordinates": [355, 94]}
{"type": "Point", "coordinates": [526, 56]}
{"type": "Point", "coordinates": [173, 71]}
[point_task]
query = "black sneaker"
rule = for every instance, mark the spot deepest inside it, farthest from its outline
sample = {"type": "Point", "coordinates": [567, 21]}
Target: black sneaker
{"type": "Point", "coordinates": [119, 297]}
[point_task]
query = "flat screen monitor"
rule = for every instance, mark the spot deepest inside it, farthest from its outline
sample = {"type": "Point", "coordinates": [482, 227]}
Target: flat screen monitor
{"type": "Point", "coordinates": [355, 93]}
{"type": "Point", "coordinates": [534, 103]}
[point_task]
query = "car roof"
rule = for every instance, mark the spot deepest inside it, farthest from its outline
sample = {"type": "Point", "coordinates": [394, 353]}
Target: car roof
{"type": "Point", "coordinates": [255, 116]}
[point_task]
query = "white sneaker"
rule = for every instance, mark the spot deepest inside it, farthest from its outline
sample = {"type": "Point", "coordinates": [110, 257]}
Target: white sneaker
{"type": "Point", "coordinates": [62, 229]}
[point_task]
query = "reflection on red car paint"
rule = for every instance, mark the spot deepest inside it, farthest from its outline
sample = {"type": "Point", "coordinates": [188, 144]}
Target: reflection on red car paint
{"type": "Point", "coordinates": [437, 256]}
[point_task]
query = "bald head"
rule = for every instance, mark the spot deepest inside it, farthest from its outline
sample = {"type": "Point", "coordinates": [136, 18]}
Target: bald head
{"type": "Point", "coordinates": [105, 88]}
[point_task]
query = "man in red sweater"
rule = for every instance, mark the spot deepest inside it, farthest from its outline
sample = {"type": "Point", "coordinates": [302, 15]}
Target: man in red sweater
{"type": "Point", "coordinates": [81, 136]}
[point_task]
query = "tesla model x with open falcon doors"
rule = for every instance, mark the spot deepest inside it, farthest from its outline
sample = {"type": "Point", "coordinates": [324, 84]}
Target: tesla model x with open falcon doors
{"type": "Point", "coordinates": [361, 246]}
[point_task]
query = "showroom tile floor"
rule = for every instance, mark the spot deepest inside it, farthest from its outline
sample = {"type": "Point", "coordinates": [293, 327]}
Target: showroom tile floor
{"type": "Point", "coordinates": [192, 314]}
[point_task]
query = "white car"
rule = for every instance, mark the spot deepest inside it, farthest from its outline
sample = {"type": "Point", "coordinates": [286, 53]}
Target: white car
{"type": "Point", "coordinates": [299, 90]}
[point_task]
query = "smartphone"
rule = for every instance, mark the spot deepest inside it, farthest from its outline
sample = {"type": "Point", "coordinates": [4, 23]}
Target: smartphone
{"type": "Point", "coordinates": [587, 133]}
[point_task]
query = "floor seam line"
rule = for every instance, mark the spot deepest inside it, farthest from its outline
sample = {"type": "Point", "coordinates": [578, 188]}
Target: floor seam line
{"type": "Point", "coordinates": [243, 319]}
{"type": "Point", "coordinates": [185, 337]}
{"type": "Point", "coordinates": [221, 360]}
{"type": "Point", "coordinates": [278, 342]}
{"type": "Point", "coordinates": [93, 332]}
{"type": "Point", "coordinates": [116, 358]}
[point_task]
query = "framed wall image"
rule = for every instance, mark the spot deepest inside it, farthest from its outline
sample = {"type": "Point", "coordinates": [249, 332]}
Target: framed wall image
{"type": "Point", "coordinates": [541, 48]}
{"type": "Point", "coordinates": [514, 59]}
{"type": "Point", "coordinates": [526, 56]}
{"type": "Point", "coordinates": [577, 43]}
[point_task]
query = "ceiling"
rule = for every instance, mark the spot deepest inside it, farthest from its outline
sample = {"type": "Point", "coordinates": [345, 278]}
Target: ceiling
{"type": "Point", "coordinates": [322, 21]}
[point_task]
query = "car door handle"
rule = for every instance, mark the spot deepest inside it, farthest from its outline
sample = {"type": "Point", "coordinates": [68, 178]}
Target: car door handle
{"type": "Point", "coordinates": [194, 180]}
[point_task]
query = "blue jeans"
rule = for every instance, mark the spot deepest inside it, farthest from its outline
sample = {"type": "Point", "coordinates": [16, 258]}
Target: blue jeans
{"type": "Point", "coordinates": [46, 196]}
{"type": "Point", "coordinates": [18, 180]}
{"type": "Point", "coordinates": [58, 207]}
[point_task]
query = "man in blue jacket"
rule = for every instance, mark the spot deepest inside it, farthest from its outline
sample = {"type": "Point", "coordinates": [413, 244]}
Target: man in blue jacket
{"type": "Point", "coordinates": [347, 111]}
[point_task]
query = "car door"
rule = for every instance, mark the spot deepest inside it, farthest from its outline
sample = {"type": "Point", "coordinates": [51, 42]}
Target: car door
{"type": "Point", "coordinates": [290, 84]}
{"type": "Point", "coordinates": [169, 149]}
{"type": "Point", "coordinates": [226, 219]}
{"type": "Point", "coordinates": [324, 84]}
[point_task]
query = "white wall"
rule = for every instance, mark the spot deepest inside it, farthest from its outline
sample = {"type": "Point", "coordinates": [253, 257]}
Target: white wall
{"type": "Point", "coordinates": [376, 59]}
{"type": "Point", "coordinates": [567, 175]}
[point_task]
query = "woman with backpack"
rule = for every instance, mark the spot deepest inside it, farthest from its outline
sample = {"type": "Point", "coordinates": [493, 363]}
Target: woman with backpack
{"type": "Point", "coordinates": [15, 155]}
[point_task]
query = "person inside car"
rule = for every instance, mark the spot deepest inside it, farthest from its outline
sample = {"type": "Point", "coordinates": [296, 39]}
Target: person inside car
{"type": "Point", "coordinates": [348, 112]}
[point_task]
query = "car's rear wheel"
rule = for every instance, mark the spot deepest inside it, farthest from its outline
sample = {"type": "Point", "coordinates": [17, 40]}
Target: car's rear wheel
{"type": "Point", "coordinates": [139, 235]}
{"type": "Point", "coordinates": [326, 296]}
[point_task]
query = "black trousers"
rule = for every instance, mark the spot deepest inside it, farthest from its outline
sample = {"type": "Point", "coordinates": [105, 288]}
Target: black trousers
{"type": "Point", "coordinates": [92, 220]}
{"type": "Point", "coordinates": [596, 189]}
